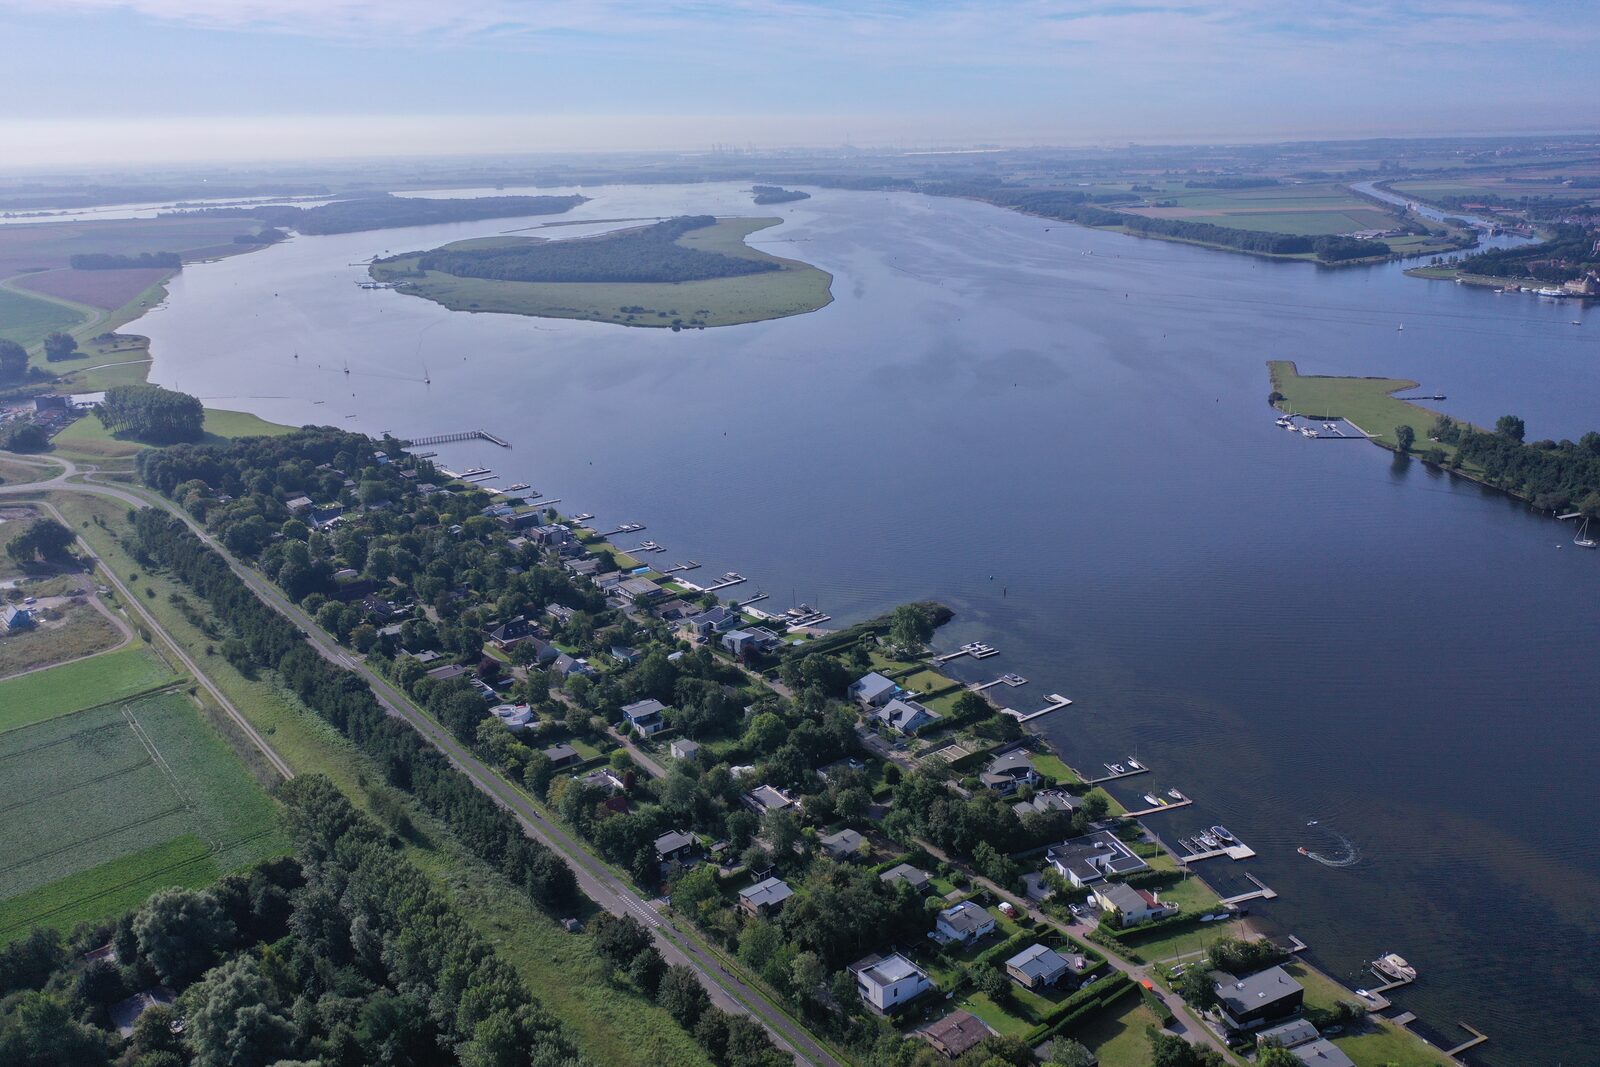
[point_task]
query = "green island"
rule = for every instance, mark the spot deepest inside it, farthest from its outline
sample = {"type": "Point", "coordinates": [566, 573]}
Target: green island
{"type": "Point", "coordinates": [1551, 475]}
{"type": "Point", "coordinates": [683, 273]}
{"type": "Point", "coordinates": [777, 194]}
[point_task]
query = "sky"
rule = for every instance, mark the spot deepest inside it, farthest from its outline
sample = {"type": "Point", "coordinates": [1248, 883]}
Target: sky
{"type": "Point", "coordinates": [151, 81]}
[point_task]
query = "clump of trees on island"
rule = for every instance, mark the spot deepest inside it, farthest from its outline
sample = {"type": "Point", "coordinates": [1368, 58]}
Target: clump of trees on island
{"type": "Point", "coordinates": [151, 413]}
{"type": "Point", "coordinates": [777, 194]}
{"type": "Point", "coordinates": [113, 261]}
{"type": "Point", "coordinates": [648, 254]}
{"type": "Point", "coordinates": [1550, 474]}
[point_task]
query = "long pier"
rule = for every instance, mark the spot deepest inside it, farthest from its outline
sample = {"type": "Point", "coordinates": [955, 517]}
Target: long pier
{"type": "Point", "coordinates": [1054, 701]}
{"type": "Point", "coordinates": [1114, 775]}
{"type": "Point", "coordinates": [1005, 679]}
{"type": "Point", "coordinates": [1173, 806]}
{"type": "Point", "coordinates": [470, 435]}
{"type": "Point", "coordinates": [1478, 1038]}
{"type": "Point", "coordinates": [1262, 891]}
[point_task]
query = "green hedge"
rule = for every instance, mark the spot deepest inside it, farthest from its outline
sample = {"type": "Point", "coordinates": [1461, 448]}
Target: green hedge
{"type": "Point", "coordinates": [1091, 998]}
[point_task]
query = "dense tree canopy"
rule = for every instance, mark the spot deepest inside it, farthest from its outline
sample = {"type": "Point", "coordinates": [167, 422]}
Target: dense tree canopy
{"type": "Point", "coordinates": [151, 413]}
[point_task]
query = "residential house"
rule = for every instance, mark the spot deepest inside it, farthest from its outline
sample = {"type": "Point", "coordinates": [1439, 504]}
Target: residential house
{"type": "Point", "coordinates": [911, 876]}
{"type": "Point", "coordinates": [17, 619]}
{"type": "Point", "coordinates": [553, 534]}
{"type": "Point", "coordinates": [887, 982]}
{"type": "Point", "coordinates": [639, 590]}
{"type": "Point", "coordinates": [560, 613]}
{"type": "Point", "coordinates": [964, 923]}
{"type": "Point", "coordinates": [873, 690]}
{"type": "Point", "coordinates": [751, 642]}
{"type": "Point", "coordinates": [447, 672]}
{"type": "Point", "coordinates": [844, 845]}
{"type": "Point", "coordinates": [676, 847]}
{"type": "Point", "coordinates": [586, 567]}
{"type": "Point", "coordinates": [956, 1034]}
{"type": "Point", "coordinates": [425, 656]}
{"type": "Point", "coordinates": [765, 898]}
{"type": "Point", "coordinates": [1321, 1053]}
{"type": "Point", "coordinates": [1092, 858]}
{"type": "Point", "coordinates": [625, 655]}
{"type": "Point", "coordinates": [544, 653]}
{"type": "Point", "coordinates": [1046, 801]}
{"type": "Point", "coordinates": [768, 798]}
{"type": "Point", "coordinates": [510, 632]}
{"type": "Point", "coordinates": [684, 749]}
{"type": "Point", "coordinates": [1261, 998]}
{"type": "Point", "coordinates": [645, 715]}
{"type": "Point", "coordinates": [379, 607]}
{"type": "Point", "coordinates": [299, 503]}
{"type": "Point", "coordinates": [604, 778]}
{"type": "Point", "coordinates": [562, 755]}
{"type": "Point", "coordinates": [904, 716]}
{"type": "Point", "coordinates": [1009, 772]}
{"type": "Point", "coordinates": [1038, 967]}
{"type": "Point", "coordinates": [516, 716]}
{"type": "Point", "coordinates": [1287, 1035]}
{"type": "Point", "coordinates": [563, 665]}
{"type": "Point", "coordinates": [1135, 905]}
{"type": "Point", "coordinates": [712, 621]}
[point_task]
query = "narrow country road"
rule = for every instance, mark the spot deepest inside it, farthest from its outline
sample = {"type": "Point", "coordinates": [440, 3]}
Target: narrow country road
{"type": "Point", "coordinates": [597, 882]}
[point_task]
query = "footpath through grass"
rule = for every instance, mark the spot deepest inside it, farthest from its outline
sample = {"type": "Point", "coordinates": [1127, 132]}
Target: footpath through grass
{"type": "Point", "coordinates": [56, 691]}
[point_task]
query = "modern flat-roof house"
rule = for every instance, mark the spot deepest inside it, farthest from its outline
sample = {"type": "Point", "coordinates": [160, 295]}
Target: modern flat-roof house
{"type": "Point", "coordinates": [1321, 1053]}
{"type": "Point", "coordinates": [638, 590]}
{"type": "Point", "coordinates": [911, 876]}
{"type": "Point", "coordinates": [1092, 858]}
{"type": "Point", "coordinates": [716, 620]}
{"type": "Point", "coordinates": [1038, 967]}
{"type": "Point", "coordinates": [560, 613]}
{"type": "Point", "coordinates": [1261, 998]}
{"type": "Point", "coordinates": [747, 643]}
{"type": "Point", "coordinates": [683, 748]}
{"type": "Point", "coordinates": [1009, 772]}
{"type": "Point", "coordinates": [298, 503]}
{"type": "Point", "coordinates": [886, 982]}
{"type": "Point", "coordinates": [844, 845]}
{"type": "Point", "coordinates": [1135, 905]}
{"type": "Point", "coordinates": [765, 798]}
{"type": "Point", "coordinates": [1287, 1035]}
{"type": "Point", "coordinates": [956, 1034]}
{"type": "Point", "coordinates": [964, 923]}
{"type": "Point", "coordinates": [562, 755]}
{"type": "Point", "coordinates": [765, 898]}
{"type": "Point", "coordinates": [904, 716]}
{"type": "Point", "coordinates": [873, 690]}
{"type": "Point", "coordinates": [516, 716]}
{"type": "Point", "coordinates": [447, 672]}
{"type": "Point", "coordinates": [645, 715]}
{"type": "Point", "coordinates": [550, 534]}
{"type": "Point", "coordinates": [676, 847]}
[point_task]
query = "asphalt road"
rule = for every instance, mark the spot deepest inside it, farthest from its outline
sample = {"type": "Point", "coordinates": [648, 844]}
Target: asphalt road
{"type": "Point", "coordinates": [596, 881]}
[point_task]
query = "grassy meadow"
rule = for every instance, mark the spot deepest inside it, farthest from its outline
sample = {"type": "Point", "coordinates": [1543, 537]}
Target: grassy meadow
{"type": "Point", "coordinates": [1368, 402]}
{"type": "Point", "coordinates": [27, 319]}
{"type": "Point", "coordinates": [48, 694]}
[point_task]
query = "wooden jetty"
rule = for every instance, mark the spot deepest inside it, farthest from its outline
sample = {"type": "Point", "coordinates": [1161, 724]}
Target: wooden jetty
{"type": "Point", "coordinates": [1114, 775]}
{"type": "Point", "coordinates": [731, 578]}
{"type": "Point", "coordinates": [975, 649]}
{"type": "Point", "coordinates": [1237, 852]}
{"type": "Point", "coordinates": [1054, 701]}
{"type": "Point", "coordinates": [1262, 891]}
{"type": "Point", "coordinates": [1005, 679]}
{"type": "Point", "coordinates": [1171, 806]}
{"type": "Point", "coordinates": [689, 566]}
{"type": "Point", "coordinates": [753, 600]}
{"type": "Point", "coordinates": [627, 527]}
{"type": "Point", "coordinates": [1478, 1038]}
{"type": "Point", "coordinates": [470, 435]}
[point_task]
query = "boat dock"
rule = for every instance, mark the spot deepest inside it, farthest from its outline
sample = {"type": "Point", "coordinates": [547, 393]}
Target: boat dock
{"type": "Point", "coordinates": [1171, 806]}
{"type": "Point", "coordinates": [730, 578]}
{"type": "Point", "coordinates": [1235, 852]}
{"type": "Point", "coordinates": [677, 567]}
{"type": "Point", "coordinates": [1054, 702]}
{"type": "Point", "coordinates": [1478, 1038]}
{"type": "Point", "coordinates": [1005, 679]}
{"type": "Point", "coordinates": [753, 600]}
{"type": "Point", "coordinates": [627, 527]}
{"type": "Point", "coordinates": [1262, 891]}
{"type": "Point", "coordinates": [470, 435]}
{"type": "Point", "coordinates": [975, 649]}
{"type": "Point", "coordinates": [1126, 772]}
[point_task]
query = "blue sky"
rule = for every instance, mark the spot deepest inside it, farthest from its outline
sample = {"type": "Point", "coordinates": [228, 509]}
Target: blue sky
{"type": "Point", "coordinates": [177, 79]}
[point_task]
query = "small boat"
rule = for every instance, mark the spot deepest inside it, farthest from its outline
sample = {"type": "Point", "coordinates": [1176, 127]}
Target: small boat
{"type": "Point", "coordinates": [1116, 768]}
{"type": "Point", "coordinates": [1153, 800]}
{"type": "Point", "coordinates": [1208, 842]}
{"type": "Point", "coordinates": [1303, 850]}
{"type": "Point", "coordinates": [1222, 834]}
{"type": "Point", "coordinates": [1174, 794]}
{"type": "Point", "coordinates": [1135, 764]}
{"type": "Point", "coordinates": [1582, 538]}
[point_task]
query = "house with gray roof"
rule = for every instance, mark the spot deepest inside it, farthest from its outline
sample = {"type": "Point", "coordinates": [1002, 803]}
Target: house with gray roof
{"type": "Point", "coordinates": [873, 690]}
{"type": "Point", "coordinates": [844, 845]}
{"type": "Point", "coordinates": [1287, 1035]}
{"type": "Point", "coordinates": [1038, 967]}
{"type": "Point", "coordinates": [911, 876]}
{"type": "Point", "coordinates": [1255, 1000]}
{"type": "Point", "coordinates": [963, 923]}
{"type": "Point", "coordinates": [1046, 801]}
{"type": "Point", "coordinates": [676, 846]}
{"type": "Point", "coordinates": [765, 898]}
{"type": "Point", "coordinates": [1321, 1053]}
{"type": "Point", "coordinates": [1010, 771]}
{"type": "Point", "coordinates": [645, 715]}
{"type": "Point", "coordinates": [904, 716]}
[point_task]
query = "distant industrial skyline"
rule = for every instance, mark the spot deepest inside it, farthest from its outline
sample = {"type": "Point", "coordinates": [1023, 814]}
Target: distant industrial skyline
{"type": "Point", "coordinates": [149, 81]}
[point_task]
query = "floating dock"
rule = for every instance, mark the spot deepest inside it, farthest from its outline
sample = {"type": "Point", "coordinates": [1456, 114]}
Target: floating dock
{"type": "Point", "coordinates": [753, 600]}
{"type": "Point", "coordinates": [1005, 679]}
{"type": "Point", "coordinates": [678, 567]}
{"type": "Point", "coordinates": [1170, 806]}
{"type": "Point", "coordinates": [975, 649]}
{"type": "Point", "coordinates": [1236, 852]}
{"type": "Point", "coordinates": [731, 578]}
{"type": "Point", "coordinates": [1262, 891]}
{"type": "Point", "coordinates": [1126, 772]}
{"type": "Point", "coordinates": [1054, 702]}
{"type": "Point", "coordinates": [627, 527]}
{"type": "Point", "coordinates": [1478, 1038]}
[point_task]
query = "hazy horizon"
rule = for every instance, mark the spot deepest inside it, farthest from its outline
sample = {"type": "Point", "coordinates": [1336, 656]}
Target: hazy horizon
{"type": "Point", "coordinates": [134, 82]}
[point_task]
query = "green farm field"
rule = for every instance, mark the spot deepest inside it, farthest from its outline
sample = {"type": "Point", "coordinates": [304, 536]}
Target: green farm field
{"type": "Point", "coordinates": [27, 319]}
{"type": "Point", "coordinates": [794, 290]}
{"type": "Point", "coordinates": [96, 799]}
{"type": "Point", "coordinates": [1303, 223]}
{"type": "Point", "coordinates": [48, 694]}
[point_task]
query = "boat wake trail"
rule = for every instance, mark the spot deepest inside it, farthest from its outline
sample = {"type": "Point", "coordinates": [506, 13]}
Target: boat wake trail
{"type": "Point", "coordinates": [1346, 854]}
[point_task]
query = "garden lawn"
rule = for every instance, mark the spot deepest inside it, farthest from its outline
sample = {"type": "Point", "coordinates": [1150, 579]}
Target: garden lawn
{"type": "Point", "coordinates": [73, 687]}
{"type": "Point", "coordinates": [1118, 1036]}
{"type": "Point", "coordinates": [1382, 1043]}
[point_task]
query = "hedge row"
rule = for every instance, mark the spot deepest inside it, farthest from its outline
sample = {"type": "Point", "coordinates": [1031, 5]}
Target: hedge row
{"type": "Point", "coordinates": [1091, 998]}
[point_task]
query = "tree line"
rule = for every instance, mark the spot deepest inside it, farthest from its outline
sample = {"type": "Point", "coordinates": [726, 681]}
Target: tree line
{"type": "Point", "coordinates": [151, 413]}
{"type": "Point", "coordinates": [649, 254]}
{"type": "Point", "coordinates": [1550, 474]}
{"type": "Point", "coordinates": [383, 211]}
{"type": "Point", "coordinates": [1567, 255]}
{"type": "Point", "coordinates": [113, 261]}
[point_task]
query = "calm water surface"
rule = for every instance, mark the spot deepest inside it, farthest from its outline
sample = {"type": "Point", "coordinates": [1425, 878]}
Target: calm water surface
{"type": "Point", "coordinates": [1064, 435]}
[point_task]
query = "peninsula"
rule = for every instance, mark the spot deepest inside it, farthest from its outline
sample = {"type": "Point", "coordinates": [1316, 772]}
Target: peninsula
{"type": "Point", "coordinates": [693, 271]}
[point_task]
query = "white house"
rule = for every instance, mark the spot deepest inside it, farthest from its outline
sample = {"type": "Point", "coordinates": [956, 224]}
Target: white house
{"type": "Point", "coordinates": [645, 716]}
{"type": "Point", "coordinates": [1136, 905]}
{"type": "Point", "coordinates": [904, 716]}
{"type": "Point", "coordinates": [886, 982]}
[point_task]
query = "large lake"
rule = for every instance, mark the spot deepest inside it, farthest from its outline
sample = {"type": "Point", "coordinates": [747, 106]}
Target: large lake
{"type": "Point", "coordinates": [1064, 435]}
